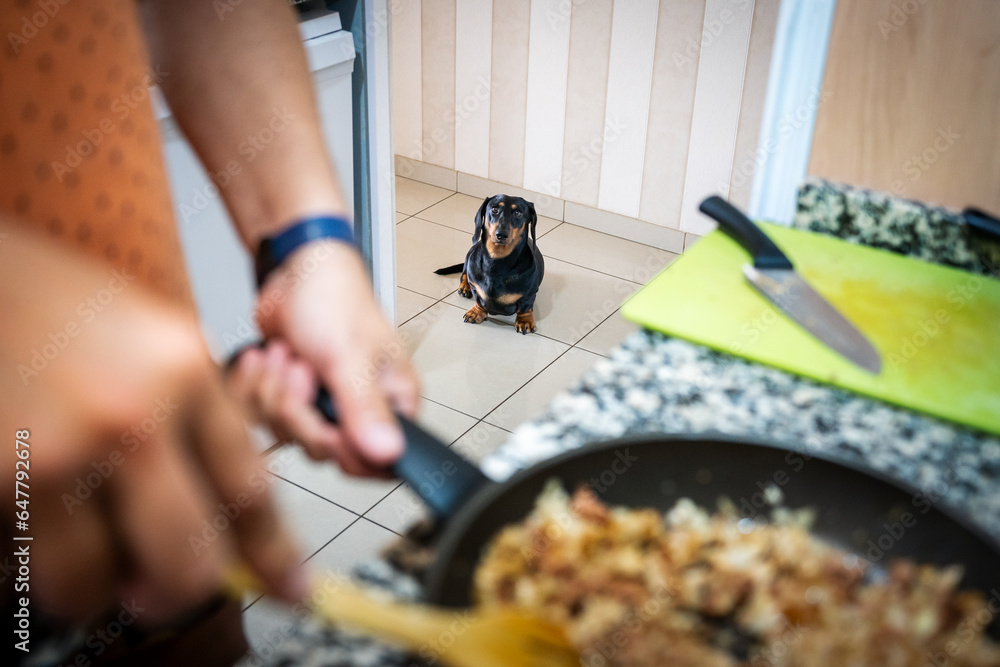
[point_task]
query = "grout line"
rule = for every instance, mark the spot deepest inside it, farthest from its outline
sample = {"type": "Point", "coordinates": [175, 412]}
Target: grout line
{"type": "Point", "coordinates": [441, 224]}
{"type": "Point", "coordinates": [330, 541]}
{"type": "Point", "coordinates": [431, 400]}
{"type": "Point", "coordinates": [542, 370]}
{"type": "Point", "coordinates": [496, 426]}
{"type": "Point", "coordinates": [394, 532]}
{"type": "Point", "coordinates": [332, 502]}
{"type": "Point", "coordinates": [451, 194]}
{"type": "Point", "coordinates": [561, 223]}
{"type": "Point", "coordinates": [603, 273]}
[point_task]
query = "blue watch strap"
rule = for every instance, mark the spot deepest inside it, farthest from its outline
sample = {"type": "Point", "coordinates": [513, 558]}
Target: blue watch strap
{"type": "Point", "coordinates": [275, 250]}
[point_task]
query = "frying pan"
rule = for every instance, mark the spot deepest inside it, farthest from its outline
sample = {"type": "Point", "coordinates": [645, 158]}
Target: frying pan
{"type": "Point", "coordinates": [858, 510]}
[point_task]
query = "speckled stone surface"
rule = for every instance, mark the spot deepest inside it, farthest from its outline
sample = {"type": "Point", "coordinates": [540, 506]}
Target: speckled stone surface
{"type": "Point", "coordinates": [656, 384]}
{"type": "Point", "coordinates": [899, 225]}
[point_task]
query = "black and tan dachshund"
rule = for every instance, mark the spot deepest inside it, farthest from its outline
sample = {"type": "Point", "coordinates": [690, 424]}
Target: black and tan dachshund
{"type": "Point", "coordinates": [503, 269]}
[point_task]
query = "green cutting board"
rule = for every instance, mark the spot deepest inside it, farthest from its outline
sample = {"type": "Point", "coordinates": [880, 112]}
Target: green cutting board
{"type": "Point", "coordinates": [937, 328]}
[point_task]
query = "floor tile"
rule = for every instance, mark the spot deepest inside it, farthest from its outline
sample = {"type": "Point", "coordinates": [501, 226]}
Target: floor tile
{"type": "Point", "coordinates": [571, 301]}
{"type": "Point", "coordinates": [267, 625]}
{"type": "Point", "coordinates": [413, 196]}
{"type": "Point", "coordinates": [400, 217]}
{"type": "Point", "coordinates": [409, 304]}
{"type": "Point", "coordinates": [325, 479]}
{"type": "Point", "coordinates": [261, 437]}
{"type": "Point", "coordinates": [459, 212]}
{"type": "Point", "coordinates": [360, 543]}
{"type": "Point", "coordinates": [401, 509]}
{"type": "Point", "coordinates": [360, 494]}
{"type": "Point", "coordinates": [532, 399]}
{"type": "Point", "coordinates": [482, 440]}
{"type": "Point", "coordinates": [312, 520]}
{"type": "Point", "coordinates": [605, 253]}
{"type": "Point", "coordinates": [423, 247]}
{"type": "Point", "coordinates": [472, 367]}
{"type": "Point", "coordinates": [608, 334]}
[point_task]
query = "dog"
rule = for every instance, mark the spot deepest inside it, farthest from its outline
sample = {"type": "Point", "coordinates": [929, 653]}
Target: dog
{"type": "Point", "coordinates": [503, 269]}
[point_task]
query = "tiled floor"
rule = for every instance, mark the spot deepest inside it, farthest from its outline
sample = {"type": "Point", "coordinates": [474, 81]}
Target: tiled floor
{"type": "Point", "coordinates": [479, 381]}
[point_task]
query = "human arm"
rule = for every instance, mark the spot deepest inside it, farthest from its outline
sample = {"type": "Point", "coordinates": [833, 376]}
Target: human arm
{"type": "Point", "coordinates": [225, 78]}
{"type": "Point", "coordinates": [133, 444]}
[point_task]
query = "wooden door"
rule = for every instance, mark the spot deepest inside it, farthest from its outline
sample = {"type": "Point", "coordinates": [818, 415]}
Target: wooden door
{"type": "Point", "coordinates": [913, 100]}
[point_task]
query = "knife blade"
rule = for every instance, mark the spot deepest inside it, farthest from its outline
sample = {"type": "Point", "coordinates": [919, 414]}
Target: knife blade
{"type": "Point", "coordinates": [774, 276]}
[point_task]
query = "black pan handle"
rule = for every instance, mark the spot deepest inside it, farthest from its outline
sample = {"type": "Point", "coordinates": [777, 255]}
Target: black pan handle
{"type": "Point", "coordinates": [765, 254]}
{"type": "Point", "coordinates": [442, 478]}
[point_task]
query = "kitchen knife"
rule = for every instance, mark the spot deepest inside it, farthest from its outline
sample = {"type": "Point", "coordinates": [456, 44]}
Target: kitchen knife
{"type": "Point", "coordinates": [982, 223]}
{"type": "Point", "coordinates": [774, 276]}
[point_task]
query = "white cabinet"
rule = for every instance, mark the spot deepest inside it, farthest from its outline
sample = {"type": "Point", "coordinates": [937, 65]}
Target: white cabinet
{"type": "Point", "coordinates": [220, 269]}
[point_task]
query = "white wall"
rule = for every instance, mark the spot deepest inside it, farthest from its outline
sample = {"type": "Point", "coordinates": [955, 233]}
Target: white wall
{"type": "Point", "coordinates": [634, 107]}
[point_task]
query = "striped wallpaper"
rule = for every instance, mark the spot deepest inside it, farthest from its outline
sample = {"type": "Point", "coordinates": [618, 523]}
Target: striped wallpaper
{"type": "Point", "coordinates": [634, 107]}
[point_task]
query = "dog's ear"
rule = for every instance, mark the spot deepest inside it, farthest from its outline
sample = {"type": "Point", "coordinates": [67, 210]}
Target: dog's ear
{"type": "Point", "coordinates": [480, 220]}
{"type": "Point", "coordinates": [532, 219]}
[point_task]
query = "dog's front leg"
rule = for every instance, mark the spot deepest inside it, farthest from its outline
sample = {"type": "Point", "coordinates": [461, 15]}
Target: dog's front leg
{"type": "Point", "coordinates": [476, 314]}
{"type": "Point", "coordinates": [464, 289]}
{"type": "Point", "coordinates": [524, 323]}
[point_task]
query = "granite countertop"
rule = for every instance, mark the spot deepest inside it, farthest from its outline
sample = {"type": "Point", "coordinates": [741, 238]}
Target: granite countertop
{"type": "Point", "coordinates": [656, 384]}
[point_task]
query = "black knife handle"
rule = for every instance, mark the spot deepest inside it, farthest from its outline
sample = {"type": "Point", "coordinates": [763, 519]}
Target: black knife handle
{"type": "Point", "coordinates": [982, 223]}
{"type": "Point", "coordinates": [765, 254]}
{"type": "Point", "coordinates": [442, 478]}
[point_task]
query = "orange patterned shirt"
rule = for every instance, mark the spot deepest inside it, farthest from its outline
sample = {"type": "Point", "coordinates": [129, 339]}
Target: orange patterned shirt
{"type": "Point", "coordinates": [80, 153]}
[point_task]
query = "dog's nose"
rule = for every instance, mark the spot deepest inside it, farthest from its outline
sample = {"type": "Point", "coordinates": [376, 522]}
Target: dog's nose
{"type": "Point", "coordinates": [501, 236]}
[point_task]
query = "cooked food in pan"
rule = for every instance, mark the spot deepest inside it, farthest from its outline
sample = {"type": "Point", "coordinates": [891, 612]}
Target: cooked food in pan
{"type": "Point", "coordinates": [634, 587]}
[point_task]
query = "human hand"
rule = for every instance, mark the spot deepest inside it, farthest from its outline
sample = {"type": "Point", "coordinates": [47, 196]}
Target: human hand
{"type": "Point", "coordinates": [323, 325]}
{"type": "Point", "coordinates": [135, 448]}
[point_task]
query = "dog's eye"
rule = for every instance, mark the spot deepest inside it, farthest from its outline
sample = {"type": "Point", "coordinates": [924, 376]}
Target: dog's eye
{"type": "Point", "coordinates": [494, 210]}
{"type": "Point", "coordinates": [517, 213]}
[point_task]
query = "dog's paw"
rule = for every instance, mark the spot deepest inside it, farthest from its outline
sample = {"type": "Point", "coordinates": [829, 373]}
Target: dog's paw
{"type": "Point", "coordinates": [465, 291]}
{"type": "Point", "coordinates": [525, 323]}
{"type": "Point", "coordinates": [475, 315]}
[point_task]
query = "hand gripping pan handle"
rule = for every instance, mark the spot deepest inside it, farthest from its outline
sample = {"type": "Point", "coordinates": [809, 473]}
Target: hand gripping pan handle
{"type": "Point", "coordinates": [442, 478]}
